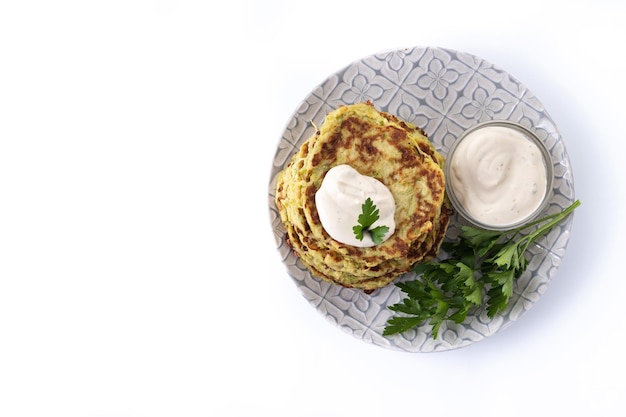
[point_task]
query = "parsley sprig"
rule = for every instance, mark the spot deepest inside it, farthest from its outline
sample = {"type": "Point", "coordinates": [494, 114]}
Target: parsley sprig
{"type": "Point", "coordinates": [366, 219]}
{"type": "Point", "coordinates": [480, 270]}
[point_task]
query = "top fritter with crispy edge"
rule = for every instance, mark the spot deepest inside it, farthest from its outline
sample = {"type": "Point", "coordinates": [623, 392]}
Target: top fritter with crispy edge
{"type": "Point", "coordinates": [384, 147]}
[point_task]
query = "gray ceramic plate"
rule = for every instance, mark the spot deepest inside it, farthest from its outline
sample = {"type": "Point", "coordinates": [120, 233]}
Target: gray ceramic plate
{"type": "Point", "coordinates": [444, 92]}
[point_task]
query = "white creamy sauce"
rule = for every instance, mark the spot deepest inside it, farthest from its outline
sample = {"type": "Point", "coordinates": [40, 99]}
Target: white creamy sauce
{"type": "Point", "coordinates": [498, 175]}
{"type": "Point", "coordinates": [339, 200]}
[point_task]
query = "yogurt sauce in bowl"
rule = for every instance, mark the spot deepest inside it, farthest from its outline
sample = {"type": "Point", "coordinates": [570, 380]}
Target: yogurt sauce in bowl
{"type": "Point", "coordinates": [499, 175]}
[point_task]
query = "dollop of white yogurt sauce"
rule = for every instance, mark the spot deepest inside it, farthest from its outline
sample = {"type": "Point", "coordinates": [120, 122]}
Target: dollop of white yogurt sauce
{"type": "Point", "coordinates": [498, 175]}
{"type": "Point", "coordinates": [339, 200]}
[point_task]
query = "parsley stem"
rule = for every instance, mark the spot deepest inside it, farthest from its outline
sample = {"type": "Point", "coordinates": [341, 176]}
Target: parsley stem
{"type": "Point", "coordinates": [554, 219]}
{"type": "Point", "coordinates": [560, 215]}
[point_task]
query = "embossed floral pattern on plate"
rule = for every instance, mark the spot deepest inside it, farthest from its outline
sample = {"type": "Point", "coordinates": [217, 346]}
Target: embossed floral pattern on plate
{"type": "Point", "coordinates": [444, 92]}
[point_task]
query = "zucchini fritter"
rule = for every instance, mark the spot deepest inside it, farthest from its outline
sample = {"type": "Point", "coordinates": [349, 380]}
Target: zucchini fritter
{"type": "Point", "coordinates": [396, 153]}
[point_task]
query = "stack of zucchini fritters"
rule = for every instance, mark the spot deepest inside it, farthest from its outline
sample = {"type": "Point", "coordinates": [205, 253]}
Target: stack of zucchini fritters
{"type": "Point", "coordinates": [382, 146]}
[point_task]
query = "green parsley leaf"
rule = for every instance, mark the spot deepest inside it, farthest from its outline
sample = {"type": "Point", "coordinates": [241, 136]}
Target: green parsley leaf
{"type": "Point", "coordinates": [378, 233]}
{"type": "Point", "coordinates": [369, 216]}
{"type": "Point", "coordinates": [480, 271]}
{"type": "Point", "coordinates": [507, 257]}
{"type": "Point", "coordinates": [358, 232]}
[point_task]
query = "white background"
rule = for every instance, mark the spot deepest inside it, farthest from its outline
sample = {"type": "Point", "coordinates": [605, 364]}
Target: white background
{"type": "Point", "coordinates": [138, 270]}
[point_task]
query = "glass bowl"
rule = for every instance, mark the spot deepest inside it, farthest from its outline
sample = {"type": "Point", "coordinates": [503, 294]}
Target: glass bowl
{"type": "Point", "coordinates": [499, 175]}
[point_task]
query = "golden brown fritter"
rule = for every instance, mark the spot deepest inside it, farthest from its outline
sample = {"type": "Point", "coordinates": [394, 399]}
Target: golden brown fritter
{"type": "Point", "coordinates": [384, 147]}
